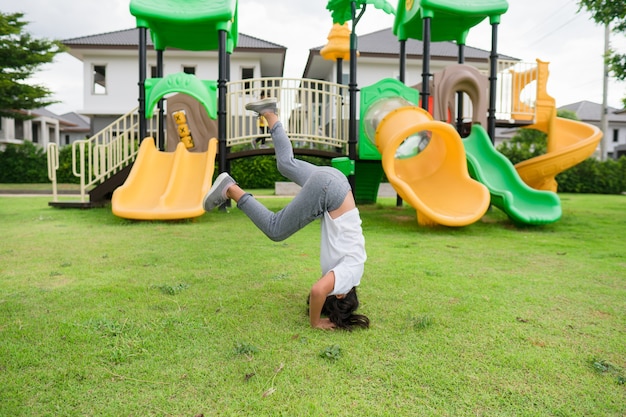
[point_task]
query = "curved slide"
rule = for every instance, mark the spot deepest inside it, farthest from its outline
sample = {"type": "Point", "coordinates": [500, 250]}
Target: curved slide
{"type": "Point", "coordinates": [570, 142]}
{"type": "Point", "coordinates": [165, 185]}
{"type": "Point", "coordinates": [509, 193]}
{"type": "Point", "coordinates": [435, 181]}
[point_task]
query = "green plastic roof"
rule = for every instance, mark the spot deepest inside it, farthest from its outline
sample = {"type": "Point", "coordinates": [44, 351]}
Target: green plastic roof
{"type": "Point", "coordinates": [205, 91]}
{"type": "Point", "coordinates": [191, 25]}
{"type": "Point", "coordinates": [451, 20]}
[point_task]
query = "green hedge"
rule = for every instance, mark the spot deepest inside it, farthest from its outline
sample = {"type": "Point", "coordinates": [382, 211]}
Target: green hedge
{"type": "Point", "coordinates": [261, 172]}
{"type": "Point", "coordinates": [590, 176]}
{"type": "Point", "coordinates": [596, 177]}
{"type": "Point", "coordinates": [23, 164]}
{"type": "Point", "coordinates": [27, 163]}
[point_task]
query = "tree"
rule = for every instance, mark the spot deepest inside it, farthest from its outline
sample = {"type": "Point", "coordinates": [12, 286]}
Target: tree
{"type": "Point", "coordinates": [613, 13]}
{"type": "Point", "coordinates": [20, 57]}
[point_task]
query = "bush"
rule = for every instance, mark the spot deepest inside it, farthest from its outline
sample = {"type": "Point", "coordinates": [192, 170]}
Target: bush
{"type": "Point", "coordinates": [256, 172]}
{"type": "Point", "coordinates": [64, 173]}
{"type": "Point", "coordinates": [25, 163]}
{"type": "Point", "coordinates": [526, 144]}
{"type": "Point", "coordinates": [261, 172]}
{"type": "Point", "coordinates": [595, 177]}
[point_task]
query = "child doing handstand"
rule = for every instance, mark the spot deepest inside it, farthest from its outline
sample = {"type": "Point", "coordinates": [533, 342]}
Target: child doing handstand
{"type": "Point", "coordinates": [326, 195]}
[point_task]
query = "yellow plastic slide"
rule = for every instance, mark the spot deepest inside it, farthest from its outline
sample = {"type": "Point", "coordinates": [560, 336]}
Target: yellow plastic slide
{"type": "Point", "coordinates": [165, 185]}
{"type": "Point", "coordinates": [435, 181]}
{"type": "Point", "coordinates": [569, 142]}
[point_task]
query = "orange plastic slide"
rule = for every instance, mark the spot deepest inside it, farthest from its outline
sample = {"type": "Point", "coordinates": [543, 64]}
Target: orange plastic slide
{"type": "Point", "coordinates": [165, 185]}
{"type": "Point", "coordinates": [435, 181]}
{"type": "Point", "coordinates": [569, 142]}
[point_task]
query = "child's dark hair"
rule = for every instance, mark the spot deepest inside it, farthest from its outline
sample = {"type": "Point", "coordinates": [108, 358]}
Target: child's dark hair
{"type": "Point", "coordinates": [340, 311]}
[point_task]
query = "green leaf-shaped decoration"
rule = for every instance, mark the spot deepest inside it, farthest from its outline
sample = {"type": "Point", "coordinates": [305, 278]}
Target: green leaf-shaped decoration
{"type": "Point", "coordinates": [341, 10]}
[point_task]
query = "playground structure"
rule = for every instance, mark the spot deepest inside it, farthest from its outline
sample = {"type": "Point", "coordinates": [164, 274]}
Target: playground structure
{"type": "Point", "coordinates": [435, 180]}
{"type": "Point", "coordinates": [451, 181]}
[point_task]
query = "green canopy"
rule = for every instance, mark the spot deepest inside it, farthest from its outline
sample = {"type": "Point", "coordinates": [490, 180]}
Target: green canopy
{"type": "Point", "coordinates": [451, 20]}
{"type": "Point", "coordinates": [191, 25]}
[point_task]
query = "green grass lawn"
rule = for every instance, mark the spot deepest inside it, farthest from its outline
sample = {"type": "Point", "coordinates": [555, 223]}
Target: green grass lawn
{"type": "Point", "coordinates": [101, 316]}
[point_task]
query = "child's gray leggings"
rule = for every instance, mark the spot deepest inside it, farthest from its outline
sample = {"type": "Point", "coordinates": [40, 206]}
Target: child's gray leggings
{"type": "Point", "coordinates": [323, 189]}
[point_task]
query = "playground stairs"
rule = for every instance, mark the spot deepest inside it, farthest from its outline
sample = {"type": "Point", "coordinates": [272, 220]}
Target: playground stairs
{"type": "Point", "coordinates": [100, 195]}
{"type": "Point", "coordinates": [101, 162]}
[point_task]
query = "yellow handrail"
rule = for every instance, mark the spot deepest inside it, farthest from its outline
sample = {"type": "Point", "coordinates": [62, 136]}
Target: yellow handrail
{"type": "Point", "coordinates": [53, 165]}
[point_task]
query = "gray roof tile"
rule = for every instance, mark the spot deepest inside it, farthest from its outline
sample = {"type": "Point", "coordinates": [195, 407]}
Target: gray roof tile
{"type": "Point", "coordinates": [590, 111]}
{"type": "Point", "coordinates": [384, 42]}
{"type": "Point", "coordinates": [130, 38]}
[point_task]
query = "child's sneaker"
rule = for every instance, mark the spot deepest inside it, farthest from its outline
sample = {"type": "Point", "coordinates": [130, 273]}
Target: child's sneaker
{"type": "Point", "coordinates": [267, 105]}
{"type": "Point", "coordinates": [217, 194]}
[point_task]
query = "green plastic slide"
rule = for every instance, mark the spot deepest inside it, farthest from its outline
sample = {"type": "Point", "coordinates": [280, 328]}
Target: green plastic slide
{"type": "Point", "coordinates": [523, 205]}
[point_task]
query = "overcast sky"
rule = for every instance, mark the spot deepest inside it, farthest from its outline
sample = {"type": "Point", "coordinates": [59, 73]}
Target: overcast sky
{"type": "Point", "coordinates": [550, 30]}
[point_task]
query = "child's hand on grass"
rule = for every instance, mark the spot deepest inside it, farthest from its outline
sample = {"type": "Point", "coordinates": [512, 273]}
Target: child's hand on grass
{"type": "Point", "coordinates": [325, 324]}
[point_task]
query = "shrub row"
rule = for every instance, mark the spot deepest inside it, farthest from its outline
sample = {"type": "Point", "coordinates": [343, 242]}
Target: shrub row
{"type": "Point", "coordinates": [27, 163]}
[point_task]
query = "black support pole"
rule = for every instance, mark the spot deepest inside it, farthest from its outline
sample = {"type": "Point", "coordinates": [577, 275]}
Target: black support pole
{"type": "Point", "coordinates": [402, 68]}
{"type": "Point", "coordinates": [459, 95]}
{"type": "Point", "coordinates": [493, 77]}
{"type": "Point", "coordinates": [425, 94]}
{"type": "Point", "coordinates": [159, 74]}
{"type": "Point", "coordinates": [339, 71]}
{"type": "Point", "coordinates": [226, 80]}
{"type": "Point", "coordinates": [339, 80]}
{"type": "Point", "coordinates": [352, 88]}
{"type": "Point", "coordinates": [143, 131]}
{"type": "Point", "coordinates": [402, 77]}
{"type": "Point", "coordinates": [221, 101]}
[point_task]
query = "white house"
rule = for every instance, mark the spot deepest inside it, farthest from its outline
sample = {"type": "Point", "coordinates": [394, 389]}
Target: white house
{"type": "Point", "coordinates": [111, 68]}
{"type": "Point", "coordinates": [44, 127]}
{"type": "Point", "coordinates": [379, 57]}
{"type": "Point", "coordinates": [615, 137]}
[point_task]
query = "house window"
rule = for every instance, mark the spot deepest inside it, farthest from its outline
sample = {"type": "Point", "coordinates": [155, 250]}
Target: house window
{"type": "Point", "coordinates": [615, 135]}
{"type": "Point", "coordinates": [67, 139]}
{"type": "Point", "coordinates": [153, 71]}
{"type": "Point", "coordinates": [247, 74]}
{"type": "Point", "coordinates": [99, 79]}
{"type": "Point", "coordinates": [19, 129]}
{"type": "Point", "coordinates": [189, 70]}
{"type": "Point", "coordinates": [35, 128]}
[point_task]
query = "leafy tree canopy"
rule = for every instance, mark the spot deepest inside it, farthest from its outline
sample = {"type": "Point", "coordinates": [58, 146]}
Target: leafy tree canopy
{"type": "Point", "coordinates": [20, 57]}
{"type": "Point", "coordinates": [610, 12]}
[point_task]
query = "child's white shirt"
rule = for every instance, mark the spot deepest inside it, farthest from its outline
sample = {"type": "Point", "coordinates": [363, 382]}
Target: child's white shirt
{"type": "Point", "coordinates": [343, 250]}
